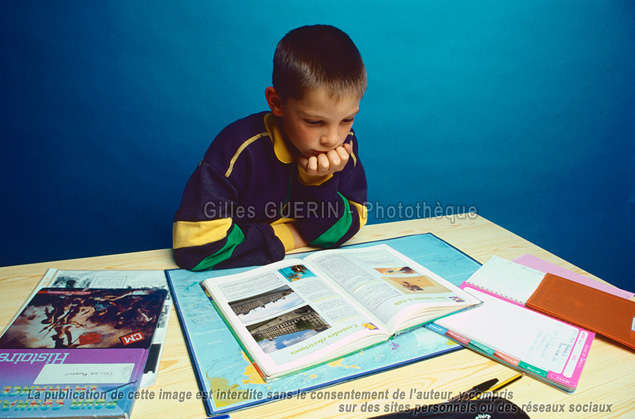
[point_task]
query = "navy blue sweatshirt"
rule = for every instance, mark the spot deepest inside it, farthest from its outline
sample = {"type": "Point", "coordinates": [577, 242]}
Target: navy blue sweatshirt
{"type": "Point", "coordinates": [238, 200]}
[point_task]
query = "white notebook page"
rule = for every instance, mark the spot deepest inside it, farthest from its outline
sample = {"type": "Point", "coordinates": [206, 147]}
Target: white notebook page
{"type": "Point", "coordinates": [507, 279]}
{"type": "Point", "coordinates": [522, 333]}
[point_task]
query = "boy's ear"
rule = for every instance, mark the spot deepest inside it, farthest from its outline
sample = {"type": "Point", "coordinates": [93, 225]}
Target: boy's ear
{"type": "Point", "coordinates": [274, 101]}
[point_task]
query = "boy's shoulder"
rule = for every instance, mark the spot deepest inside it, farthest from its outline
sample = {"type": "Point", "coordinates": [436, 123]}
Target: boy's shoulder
{"type": "Point", "coordinates": [237, 135]}
{"type": "Point", "coordinates": [244, 128]}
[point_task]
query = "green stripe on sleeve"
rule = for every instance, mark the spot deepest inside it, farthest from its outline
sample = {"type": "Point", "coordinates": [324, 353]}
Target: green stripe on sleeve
{"type": "Point", "coordinates": [337, 230]}
{"type": "Point", "coordinates": [234, 238]}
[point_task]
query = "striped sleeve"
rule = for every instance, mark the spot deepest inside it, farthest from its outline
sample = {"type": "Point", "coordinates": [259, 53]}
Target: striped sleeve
{"type": "Point", "coordinates": [204, 234]}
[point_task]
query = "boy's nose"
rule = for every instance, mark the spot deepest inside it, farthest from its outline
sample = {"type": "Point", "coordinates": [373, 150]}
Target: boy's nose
{"type": "Point", "coordinates": [329, 139]}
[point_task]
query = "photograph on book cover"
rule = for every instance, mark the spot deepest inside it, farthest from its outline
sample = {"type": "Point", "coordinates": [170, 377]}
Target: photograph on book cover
{"type": "Point", "coordinates": [230, 382]}
{"type": "Point", "coordinates": [55, 278]}
{"type": "Point", "coordinates": [92, 318]}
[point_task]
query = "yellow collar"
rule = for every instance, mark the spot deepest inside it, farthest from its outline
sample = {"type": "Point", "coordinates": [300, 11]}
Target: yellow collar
{"type": "Point", "coordinates": [280, 146]}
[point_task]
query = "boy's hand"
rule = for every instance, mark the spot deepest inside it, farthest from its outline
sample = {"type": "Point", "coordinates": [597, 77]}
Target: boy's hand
{"type": "Point", "coordinates": [326, 163]}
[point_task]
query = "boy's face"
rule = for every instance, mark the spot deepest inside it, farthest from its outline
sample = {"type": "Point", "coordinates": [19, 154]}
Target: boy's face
{"type": "Point", "coordinates": [318, 122]}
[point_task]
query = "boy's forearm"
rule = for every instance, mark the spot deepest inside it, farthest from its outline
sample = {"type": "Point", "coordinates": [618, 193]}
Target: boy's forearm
{"type": "Point", "coordinates": [326, 229]}
{"type": "Point", "coordinates": [334, 211]}
{"type": "Point", "coordinates": [243, 245]}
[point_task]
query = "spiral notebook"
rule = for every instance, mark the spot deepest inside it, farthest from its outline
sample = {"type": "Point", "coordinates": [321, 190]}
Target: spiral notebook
{"type": "Point", "coordinates": [503, 329]}
{"type": "Point", "coordinates": [507, 280]}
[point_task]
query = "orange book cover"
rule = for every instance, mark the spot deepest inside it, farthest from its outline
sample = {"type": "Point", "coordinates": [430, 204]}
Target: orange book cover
{"type": "Point", "coordinates": [599, 311]}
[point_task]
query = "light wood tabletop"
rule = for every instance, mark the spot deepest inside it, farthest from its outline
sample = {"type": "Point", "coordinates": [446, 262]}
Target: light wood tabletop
{"type": "Point", "coordinates": [605, 388]}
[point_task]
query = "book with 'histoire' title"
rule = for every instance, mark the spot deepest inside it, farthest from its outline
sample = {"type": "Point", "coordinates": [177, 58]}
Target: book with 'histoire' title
{"type": "Point", "coordinates": [77, 352]}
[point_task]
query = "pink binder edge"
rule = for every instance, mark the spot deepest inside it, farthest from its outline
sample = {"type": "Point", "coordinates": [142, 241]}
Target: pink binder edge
{"type": "Point", "coordinates": [541, 265]}
{"type": "Point", "coordinates": [577, 372]}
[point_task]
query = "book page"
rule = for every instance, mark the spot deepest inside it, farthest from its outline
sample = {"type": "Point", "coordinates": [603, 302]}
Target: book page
{"type": "Point", "coordinates": [507, 279]}
{"type": "Point", "coordinates": [286, 312]}
{"type": "Point", "coordinates": [389, 285]}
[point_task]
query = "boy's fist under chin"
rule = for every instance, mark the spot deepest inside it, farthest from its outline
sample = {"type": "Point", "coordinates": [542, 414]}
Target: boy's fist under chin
{"type": "Point", "coordinates": [326, 163]}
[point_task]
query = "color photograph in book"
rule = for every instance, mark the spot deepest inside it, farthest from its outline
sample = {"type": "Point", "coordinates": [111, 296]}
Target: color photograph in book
{"type": "Point", "coordinates": [279, 318]}
{"type": "Point", "coordinates": [266, 305]}
{"type": "Point", "coordinates": [287, 329]}
{"type": "Point", "coordinates": [410, 281]}
{"type": "Point", "coordinates": [296, 272]}
{"type": "Point", "coordinates": [90, 318]}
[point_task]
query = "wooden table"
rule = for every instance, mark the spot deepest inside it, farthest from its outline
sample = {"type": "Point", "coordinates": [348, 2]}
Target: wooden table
{"type": "Point", "coordinates": [608, 379]}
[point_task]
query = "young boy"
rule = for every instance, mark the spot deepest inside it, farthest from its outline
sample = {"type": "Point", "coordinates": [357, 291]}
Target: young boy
{"type": "Point", "coordinates": [278, 180]}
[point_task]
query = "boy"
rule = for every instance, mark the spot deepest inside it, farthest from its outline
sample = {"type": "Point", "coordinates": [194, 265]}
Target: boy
{"type": "Point", "coordinates": [278, 180]}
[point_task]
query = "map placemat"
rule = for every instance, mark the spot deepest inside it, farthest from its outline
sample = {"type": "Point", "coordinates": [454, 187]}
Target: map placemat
{"type": "Point", "coordinates": [227, 379]}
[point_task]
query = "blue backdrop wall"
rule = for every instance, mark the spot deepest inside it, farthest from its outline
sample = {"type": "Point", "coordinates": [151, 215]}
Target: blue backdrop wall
{"type": "Point", "coordinates": [521, 110]}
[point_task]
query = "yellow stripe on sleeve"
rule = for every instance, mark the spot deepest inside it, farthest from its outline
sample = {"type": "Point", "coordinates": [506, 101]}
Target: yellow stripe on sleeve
{"type": "Point", "coordinates": [362, 211]}
{"type": "Point", "coordinates": [283, 233]}
{"type": "Point", "coordinates": [198, 233]}
{"type": "Point", "coordinates": [242, 147]}
{"type": "Point", "coordinates": [307, 180]}
{"type": "Point", "coordinates": [354, 157]}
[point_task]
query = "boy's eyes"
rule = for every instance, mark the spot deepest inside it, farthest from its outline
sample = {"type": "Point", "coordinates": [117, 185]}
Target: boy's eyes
{"type": "Point", "coordinates": [317, 123]}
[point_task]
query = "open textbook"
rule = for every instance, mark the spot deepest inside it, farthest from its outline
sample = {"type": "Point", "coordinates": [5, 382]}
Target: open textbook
{"type": "Point", "coordinates": [298, 313]}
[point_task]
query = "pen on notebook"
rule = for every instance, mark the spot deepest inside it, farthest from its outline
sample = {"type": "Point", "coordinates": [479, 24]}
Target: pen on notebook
{"type": "Point", "coordinates": [474, 391]}
{"type": "Point", "coordinates": [501, 385]}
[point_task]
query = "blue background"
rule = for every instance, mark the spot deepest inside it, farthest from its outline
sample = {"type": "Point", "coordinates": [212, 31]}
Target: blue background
{"type": "Point", "coordinates": [523, 110]}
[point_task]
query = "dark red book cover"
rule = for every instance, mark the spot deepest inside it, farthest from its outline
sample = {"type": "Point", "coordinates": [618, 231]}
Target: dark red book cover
{"type": "Point", "coordinates": [601, 312]}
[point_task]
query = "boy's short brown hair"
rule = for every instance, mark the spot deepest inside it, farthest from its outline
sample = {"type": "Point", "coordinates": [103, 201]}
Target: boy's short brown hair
{"type": "Point", "coordinates": [318, 56]}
